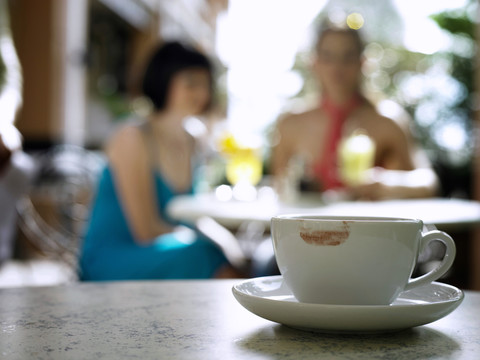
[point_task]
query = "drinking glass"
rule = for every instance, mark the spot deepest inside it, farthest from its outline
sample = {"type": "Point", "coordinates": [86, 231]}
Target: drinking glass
{"type": "Point", "coordinates": [356, 156]}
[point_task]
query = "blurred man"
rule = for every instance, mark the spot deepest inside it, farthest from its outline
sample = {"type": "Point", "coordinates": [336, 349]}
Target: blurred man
{"type": "Point", "coordinates": [16, 167]}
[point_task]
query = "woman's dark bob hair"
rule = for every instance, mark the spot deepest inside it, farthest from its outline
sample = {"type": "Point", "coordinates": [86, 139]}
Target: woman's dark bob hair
{"type": "Point", "coordinates": [169, 59]}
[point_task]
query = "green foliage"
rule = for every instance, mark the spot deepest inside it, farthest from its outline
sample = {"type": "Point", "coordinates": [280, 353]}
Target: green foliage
{"type": "Point", "coordinates": [118, 106]}
{"type": "Point", "coordinates": [455, 23]}
{"type": "Point", "coordinates": [459, 23]}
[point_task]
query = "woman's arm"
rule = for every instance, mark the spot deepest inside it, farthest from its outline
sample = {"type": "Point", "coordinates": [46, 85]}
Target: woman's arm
{"type": "Point", "coordinates": [385, 184]}
{"type": "Point", "coordinates": [401, 175]}
{"type": "Point", "coordinates": [128, 156]}
{"type": "Point", "coordinates": [280, 150]}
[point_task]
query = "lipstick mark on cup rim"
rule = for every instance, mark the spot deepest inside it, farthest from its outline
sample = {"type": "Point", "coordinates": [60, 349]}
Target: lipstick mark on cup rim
{"type": "Point", "coordinates": [326, 237]}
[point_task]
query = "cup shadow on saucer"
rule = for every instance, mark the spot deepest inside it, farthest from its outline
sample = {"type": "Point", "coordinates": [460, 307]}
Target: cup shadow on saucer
{"type": "Point", "coordinates": [416, 343]}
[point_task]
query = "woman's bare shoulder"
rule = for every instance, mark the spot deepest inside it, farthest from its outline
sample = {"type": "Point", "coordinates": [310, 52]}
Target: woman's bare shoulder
{"type": "Point", "coordinates": [298, 121]}
{"type": "Point", "coordinates": [390, 126]}
{"type": "Point", "coordinates": [126, 142]}
{"type": "Point", "coordinates": [377, 122]}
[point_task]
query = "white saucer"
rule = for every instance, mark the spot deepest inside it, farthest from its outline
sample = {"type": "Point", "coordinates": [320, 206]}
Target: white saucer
{"type": "Point", "coordinates": [270, 298]}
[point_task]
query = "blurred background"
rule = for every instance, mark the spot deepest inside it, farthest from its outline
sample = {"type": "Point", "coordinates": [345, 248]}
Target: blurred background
{"type": "Point", "coordinates": [82, 61]}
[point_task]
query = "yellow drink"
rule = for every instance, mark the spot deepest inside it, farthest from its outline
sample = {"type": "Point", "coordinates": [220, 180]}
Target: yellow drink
{"type": "Point", "coordinates": [356, 156]}
{"type": "Point", "coordinates": [243, 163]}
{"type": "Point", "coordinates": [244, 166]}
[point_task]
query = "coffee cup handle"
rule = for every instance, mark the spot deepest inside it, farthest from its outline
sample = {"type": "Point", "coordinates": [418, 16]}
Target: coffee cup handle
{"type": "Point", "coordinates": [444, 265]}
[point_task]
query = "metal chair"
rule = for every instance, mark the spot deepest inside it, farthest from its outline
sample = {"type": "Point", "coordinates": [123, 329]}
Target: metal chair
{"type": "Point", "coordinates": [53, 215]}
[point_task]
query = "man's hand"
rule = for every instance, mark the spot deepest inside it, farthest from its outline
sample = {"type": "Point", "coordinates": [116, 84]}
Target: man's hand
{"type": "Point", "coordinates": [5, 154]}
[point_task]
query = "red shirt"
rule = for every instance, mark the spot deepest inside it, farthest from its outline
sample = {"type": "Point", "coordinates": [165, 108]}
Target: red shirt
{"type": "Point", "coordinates": [326, 169]}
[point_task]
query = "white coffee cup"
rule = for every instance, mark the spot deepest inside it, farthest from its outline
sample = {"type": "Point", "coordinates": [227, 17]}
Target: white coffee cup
{"type": "Point", "coordinates": [353, 260]}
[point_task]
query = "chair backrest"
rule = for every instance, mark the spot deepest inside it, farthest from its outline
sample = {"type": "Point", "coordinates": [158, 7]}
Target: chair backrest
{"type": "Point", "coordinates": [53, 214]}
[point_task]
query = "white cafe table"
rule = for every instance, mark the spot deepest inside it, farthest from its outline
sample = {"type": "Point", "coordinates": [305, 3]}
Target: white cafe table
{"type": "Point", "coordinates": [199, 320]}
{"type": "Point", "coordinates": [442, 212]}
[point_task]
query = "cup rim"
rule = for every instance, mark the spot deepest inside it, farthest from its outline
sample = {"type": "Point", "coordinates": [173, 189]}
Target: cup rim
{"type": "Point", "coordinates": [350, 219]}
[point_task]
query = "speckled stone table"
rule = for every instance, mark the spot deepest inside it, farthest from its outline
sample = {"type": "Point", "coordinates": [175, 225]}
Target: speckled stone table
{"type": "Point", "coordinates": [199, 320]}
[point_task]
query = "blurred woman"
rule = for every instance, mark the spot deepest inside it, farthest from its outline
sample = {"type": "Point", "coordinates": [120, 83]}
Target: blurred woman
{"type": "Point", "coordinates": [315, 135]}
{"type": "Point", "coordinates": [129, 235]}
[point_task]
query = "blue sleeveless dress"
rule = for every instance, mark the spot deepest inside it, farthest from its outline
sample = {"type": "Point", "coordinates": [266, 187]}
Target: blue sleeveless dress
{"type": "Point", "coordinates": [109, 251]}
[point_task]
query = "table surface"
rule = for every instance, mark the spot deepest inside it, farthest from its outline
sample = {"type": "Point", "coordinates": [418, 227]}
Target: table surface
{"type": "Point", "coordinates": [441, 212]}
{"type": "Point", "coordinates": [199, 320]}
